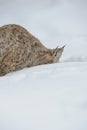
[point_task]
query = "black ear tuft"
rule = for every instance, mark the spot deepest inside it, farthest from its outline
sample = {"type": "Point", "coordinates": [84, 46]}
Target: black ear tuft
{"type": "Point", "coordinates": [63, 46]}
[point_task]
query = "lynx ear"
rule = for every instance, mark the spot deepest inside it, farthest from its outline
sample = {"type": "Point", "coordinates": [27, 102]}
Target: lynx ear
{"type": "Point", "coordinates": [58, 50]}
{"type": "Point", "coordinates": [55, 51]}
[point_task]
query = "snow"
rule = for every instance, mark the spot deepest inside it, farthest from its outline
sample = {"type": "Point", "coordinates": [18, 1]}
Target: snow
{"type": "Point", "coordinates": [54, 96]}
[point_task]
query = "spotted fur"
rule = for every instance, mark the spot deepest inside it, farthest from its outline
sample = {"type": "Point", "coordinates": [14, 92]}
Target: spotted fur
{"type": "Point", "coordinates": [20, 49]}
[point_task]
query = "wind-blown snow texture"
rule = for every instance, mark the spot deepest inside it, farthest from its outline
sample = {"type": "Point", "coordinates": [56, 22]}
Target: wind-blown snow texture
{"type": "Point", "coordinates": [48, 97]}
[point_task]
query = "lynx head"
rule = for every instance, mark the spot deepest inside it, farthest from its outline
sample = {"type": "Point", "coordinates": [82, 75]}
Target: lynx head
{"type": "Point", "coordinates": [57, 53]}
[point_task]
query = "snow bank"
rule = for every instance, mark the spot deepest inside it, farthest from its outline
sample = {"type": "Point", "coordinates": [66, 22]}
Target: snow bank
{"type": "Point", "coordinates": [45, 97]}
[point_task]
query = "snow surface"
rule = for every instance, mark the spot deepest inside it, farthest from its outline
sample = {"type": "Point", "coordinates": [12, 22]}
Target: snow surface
{"type": "Point", "coordinates": [47, 97]}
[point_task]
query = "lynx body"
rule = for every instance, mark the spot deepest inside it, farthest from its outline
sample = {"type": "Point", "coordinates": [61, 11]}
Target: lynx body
{"type": "Point", "coordinates": [20, 49]}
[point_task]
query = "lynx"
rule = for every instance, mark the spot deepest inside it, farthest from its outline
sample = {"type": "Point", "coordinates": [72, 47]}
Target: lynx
{"type": "Point", "coordinates": [20, 49]}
